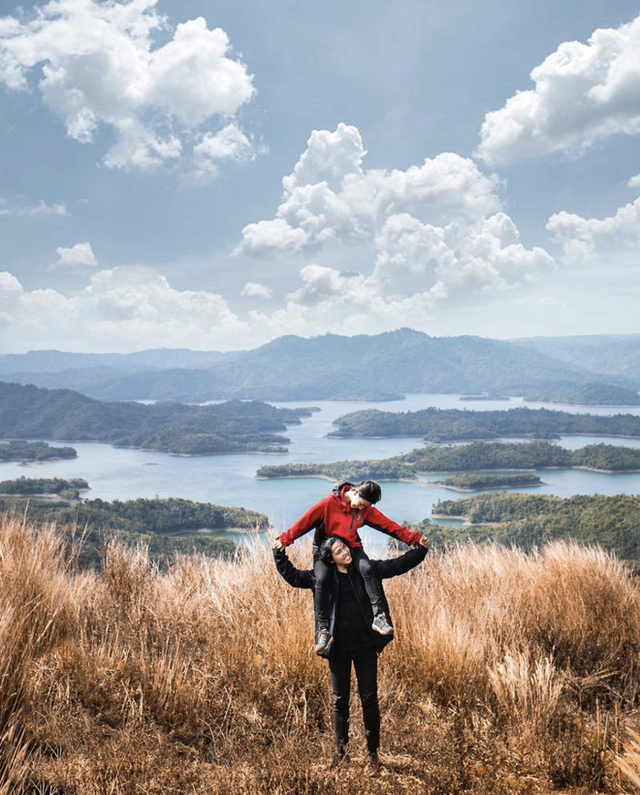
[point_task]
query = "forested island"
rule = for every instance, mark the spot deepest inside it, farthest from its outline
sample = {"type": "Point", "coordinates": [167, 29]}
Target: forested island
{"type": "Point", "coordinates": [587, 395]}
{"type": "Point", "coordinates": [19, 450]}
{"type": "Point", "coordinates": [448, 425]}
{"type": "Point", "coordinates": [484, 396]}
{"type": "Point", "coordinates": [528, 520]}
{"type": "Point", "coordinates": [232, 427]}
{"type": "Point", "coordinates": [53, 487]}
{"type": "Point", "coordinates": [480, 482]}
{"type": "Point", "coordinates": [166, 526]}
{"type": "Point", "coordinates": [467, 458]}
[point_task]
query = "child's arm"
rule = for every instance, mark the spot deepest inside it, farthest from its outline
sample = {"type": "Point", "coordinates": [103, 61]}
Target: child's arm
{"type": "Point", "coordinates": [306, 522]}
{"type": "Point", "coordinates": [374, 518]}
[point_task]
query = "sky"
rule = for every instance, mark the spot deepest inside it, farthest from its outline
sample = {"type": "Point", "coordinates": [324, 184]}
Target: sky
{"type": "Point", "coordinates": [213, 175]}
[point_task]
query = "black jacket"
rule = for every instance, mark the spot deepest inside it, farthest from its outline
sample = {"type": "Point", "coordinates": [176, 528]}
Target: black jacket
{"type": "Point", "coordinates": [384, 570]}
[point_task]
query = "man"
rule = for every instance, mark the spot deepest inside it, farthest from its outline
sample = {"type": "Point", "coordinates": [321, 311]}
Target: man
{"type": "Point", "coordinates": [342, 513]}
{"type": "Point", "coordinates": [355, 643]}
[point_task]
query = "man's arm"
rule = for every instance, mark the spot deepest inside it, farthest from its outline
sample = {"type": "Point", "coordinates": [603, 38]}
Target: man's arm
{"type": "Point", "coordinates": [404, 563]}
{"type": "Point", "coordinates": [374, 518]}
{"type": "Point", "coordinates": [295, 577]}
{"type": "Point", "coordinates": [309, 519]}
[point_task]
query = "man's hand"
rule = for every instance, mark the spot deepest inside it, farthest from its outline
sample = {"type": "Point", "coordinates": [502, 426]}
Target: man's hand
{"type": "Point", "coordinates": [424, 542]}
{"type": "Point", "coordinates": [277, 544]}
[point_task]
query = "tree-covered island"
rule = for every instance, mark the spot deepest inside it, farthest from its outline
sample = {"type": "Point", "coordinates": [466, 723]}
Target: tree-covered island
{"type": "Point", "coordinates": [477, 456]}
{"type": "Point", "coordinates": [166, 526]}
{"type": "Point", "coordinates": [528, 520]}
{"type": "Point", "coordinates": [19, 450]}
{"type": "Point", "coordinates": [232, 427]}
{"type": "Point", "coordinates": [448, 425]}
{"type": "Point", "coordinates": [481, 482]}
{"type": "Point", "coordinates": [587, 395]}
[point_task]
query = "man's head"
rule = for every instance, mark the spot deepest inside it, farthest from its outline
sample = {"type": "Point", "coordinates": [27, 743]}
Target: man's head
{"type": "Point", "coordinates": [334, 550]}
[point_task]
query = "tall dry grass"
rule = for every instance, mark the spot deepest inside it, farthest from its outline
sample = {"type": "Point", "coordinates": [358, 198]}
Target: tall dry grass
{"type": "Point", "coordinates": [510, 672]}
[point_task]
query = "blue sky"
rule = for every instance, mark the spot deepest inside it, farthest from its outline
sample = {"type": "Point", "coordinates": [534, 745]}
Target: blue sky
{"type": "Point", "coordinates": [214, 175]}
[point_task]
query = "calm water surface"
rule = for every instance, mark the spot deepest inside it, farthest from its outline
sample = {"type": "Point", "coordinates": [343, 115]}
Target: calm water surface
{"type": "Point", "coordinates": [230, 479]}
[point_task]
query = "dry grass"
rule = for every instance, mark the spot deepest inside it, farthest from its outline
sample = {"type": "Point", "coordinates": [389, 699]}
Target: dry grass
{"type": "Point", "coordinates": [511, 672]}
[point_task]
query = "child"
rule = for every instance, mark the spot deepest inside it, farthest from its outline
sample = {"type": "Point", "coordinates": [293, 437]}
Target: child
{"type": "Point", "coordinates": [342, 513]}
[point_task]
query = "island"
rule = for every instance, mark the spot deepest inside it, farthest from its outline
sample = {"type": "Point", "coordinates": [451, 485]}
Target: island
{"type": "Point", "coordinates": [182, 429]}
{"type": "Point", "coordinates": [480, 482]}
{"type": "Point", "coordinates": [474, 457]}
{"type": "Point", "coordinates": [484, 396]}
{"type": "Point", "coordinates": [20, 450]}
{"type": "Point", "coordinates": [587, 395]}
{"type": "Point", "coordinates": [165, 526]}
{"type": "Point", "coordinates": [448, 425]}
{"type": "Point", "coordinates": [44, 488]}
{"type": "Point", "coordinates": [528, 520]}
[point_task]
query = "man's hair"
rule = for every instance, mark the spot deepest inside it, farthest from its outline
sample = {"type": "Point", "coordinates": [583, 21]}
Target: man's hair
{"type": "Point", "coordinates": [324, 553]}
{"type": "Point", "coordinates": [369, 490]}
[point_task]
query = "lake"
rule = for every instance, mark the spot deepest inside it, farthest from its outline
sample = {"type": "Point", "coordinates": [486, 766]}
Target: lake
{"type": "Point", "coordinates": [230, 479]}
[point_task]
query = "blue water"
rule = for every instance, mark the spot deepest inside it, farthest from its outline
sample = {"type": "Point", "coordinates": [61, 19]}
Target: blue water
{"type": "Point", "coordinates": [230, 479]}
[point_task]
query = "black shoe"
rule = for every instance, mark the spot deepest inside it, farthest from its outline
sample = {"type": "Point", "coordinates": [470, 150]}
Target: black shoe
{"type": "Point", "coordinates": [373, 763]}
{"type": "Point", "coordinates": [324, 641]}
{"type": "Point", "coordinates": [381, 624]}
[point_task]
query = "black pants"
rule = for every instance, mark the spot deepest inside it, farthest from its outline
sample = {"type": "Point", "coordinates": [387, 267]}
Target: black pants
{"type": "Point", "coordinates": [365, 662]}
{"type": "Point", "coordinates": [323, 571]}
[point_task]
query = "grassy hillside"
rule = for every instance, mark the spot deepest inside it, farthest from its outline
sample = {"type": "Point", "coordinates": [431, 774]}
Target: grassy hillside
{"type": "Point", "coordinates": [509, 673]}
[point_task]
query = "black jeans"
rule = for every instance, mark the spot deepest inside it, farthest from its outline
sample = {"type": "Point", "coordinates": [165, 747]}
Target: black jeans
{"type": "Point", "coordinates": [365, 662]}
{"type": "Point", "coordinates": [323, 571]}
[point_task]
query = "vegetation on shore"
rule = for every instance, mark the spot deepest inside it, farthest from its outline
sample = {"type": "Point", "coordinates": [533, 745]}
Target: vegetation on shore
{"type": "Point", "coordinates": [510, 672]}
{"type": "Point", "coordinates": [448, 425]}
{"type": "Point", "coordinates": [64, 489]}
{"type": "Point", "coordinates": [467, 458]}
{"type": "Point", "coordinates": [476, 482]}
{"type": "Point", "coordinates": [19, 450]}
{"type": "Point", "coordinates": [529, 520]}
{"type": "Point", "coordinates": [233, 427]}
{"type": "Point", "coordinates": [587, 395]}
{"type": "Point", "coordinates": [166, 526]}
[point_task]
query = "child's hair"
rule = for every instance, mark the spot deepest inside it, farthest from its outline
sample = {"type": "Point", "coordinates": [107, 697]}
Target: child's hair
{"type": "Point", "coordinates": [324, 553]}
{"type": "Point", "coordinates": [369, 490]}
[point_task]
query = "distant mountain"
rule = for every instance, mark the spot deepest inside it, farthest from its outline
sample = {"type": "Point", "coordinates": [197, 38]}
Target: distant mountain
{"type": "Point", "coordinates": [331, 367]}
{"type": "Point", "coordinates": [158, 358]}
{"type": "Point", "coordinates": [616, 355]}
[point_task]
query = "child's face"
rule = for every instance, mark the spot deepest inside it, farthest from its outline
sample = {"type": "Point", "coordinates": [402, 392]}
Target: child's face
{"type": "Point", "coordinates": [358, 502]}
{"type": "Point", "coordinates": [341, 554]}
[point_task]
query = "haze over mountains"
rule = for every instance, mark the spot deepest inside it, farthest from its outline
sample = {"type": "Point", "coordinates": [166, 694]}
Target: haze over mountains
{"type": "Point", "coordinates": [337, 367]}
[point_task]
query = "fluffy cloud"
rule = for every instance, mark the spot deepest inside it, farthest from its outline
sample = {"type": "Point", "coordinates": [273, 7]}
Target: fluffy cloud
{"type": "Point", "coordinates": [95, 63]}
{"type": "Point", "coordinates": [582, 92]}
{"type": "Point", "coordinates": [634, 182]}
{"type": "Point", "coordinates": [79, 255]}
{"type": "Point", "coordinates": [126, 308]}
{"type": "Point", "coordinates": [435, 230]}
{"type": "Point", "coordinates": [256, 290]}
{"type": "Point", "coordinates": [584, 238]}
{"type": "Point", "coordinates": [41, 209]}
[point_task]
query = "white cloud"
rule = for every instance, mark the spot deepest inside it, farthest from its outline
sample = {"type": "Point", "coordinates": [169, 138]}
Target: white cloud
{"type": "Point", "coordinates": [256, 290]}
{"type": "Point", "coordinates": [434, 230]}
{"type": "Point", "coordinates": [229, 143]}
{"type": "Point", "coordinates": [634, 182]}
{"type": "Point", "coordinates": [584, 238]}
{"type": "Point", "coordinates": [583, 92]}
{"type": "Point", "coordinates": [94, 63]}
{"type": "Point", "coordinates": [42, 209]}
{"type": "Point", "coordinates": [80, 255]}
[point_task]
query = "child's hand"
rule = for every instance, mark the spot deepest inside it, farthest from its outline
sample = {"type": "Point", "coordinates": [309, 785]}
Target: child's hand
{"type": "Point", "coordinates": [424, 542]}
{"type": "Point", "coordinates": [277, 544]}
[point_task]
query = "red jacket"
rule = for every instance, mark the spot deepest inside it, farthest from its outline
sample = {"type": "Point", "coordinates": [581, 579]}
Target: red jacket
{"type": "Point", "coordinates": [333, 516]}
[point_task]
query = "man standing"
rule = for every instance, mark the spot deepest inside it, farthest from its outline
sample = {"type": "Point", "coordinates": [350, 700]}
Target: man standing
{"type": "Point", "coordinates": [355, 643]}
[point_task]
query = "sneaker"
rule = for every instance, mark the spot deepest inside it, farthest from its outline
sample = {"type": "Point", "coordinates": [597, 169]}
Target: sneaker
{"type": "Point", "coordinates": [324, 641]}
{"type": "Point", "coordinates": [339, 758]}
{"type": "Point", "coordinates": [381, 624]}
{"type": "Point", "coordinates": [373, 763]}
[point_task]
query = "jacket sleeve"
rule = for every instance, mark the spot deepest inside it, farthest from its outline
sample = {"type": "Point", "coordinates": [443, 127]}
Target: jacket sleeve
{"type": "Point", "coordinates": [295, 577]}
{"type": "Point", "coordinates": [400, 565]}
{"type": "Point", "coordinates": [374, 518]}
{"type": "Point", "coordinates": [306, 522]}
